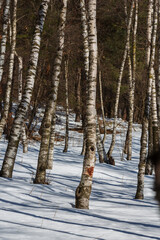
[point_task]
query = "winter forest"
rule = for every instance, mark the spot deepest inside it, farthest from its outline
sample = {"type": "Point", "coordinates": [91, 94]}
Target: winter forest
{"type": "Point", "coordinates": [79, 119]}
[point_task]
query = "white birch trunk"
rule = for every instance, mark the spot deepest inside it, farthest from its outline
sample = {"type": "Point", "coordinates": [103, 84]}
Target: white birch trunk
{"type": "Point", "coordinates": [84, 23]}
{"type": "Point", "coordinates": [102, 105]}
{"type": "Point", "coordinates": [149, 165]}
{"type": "Point", "coordinates": [85, 36]}
{"type": "Point", "coordinates": [23, 136]}
{"type": "Point", "coordinates": [24, 139]}
{"type": "Point", "coordinates": [132, 85]}
{"type": "Point", "coordinates": [154, 115]}
{"type": "Point", "coordinates": [78, 96]}
{"type": "Point", "coordinates": [120, 80]}
{"type": "Point", "coordinates": [83, 191]}
{"type": "Point", "coordinates": [8, 163]}
{"type": "Point", "coordinates": [51, 144]}
{"type": "Point", "coordinates": [4, 36]}
{"type": "Point", "coordinates": [158, 89]}
{"type": "Point", "coordinates": [20, 79]}
{"type": "Point", "coordinates": [144, 137]}
{"type": "Point", "coordinates": [51, 104]}
{"type": "Point", "coordinates": [129, 130]}
{"type": "Point", "coordinates": [10, 74]}
{"type": "Point", "coordinates": [100, 147]}
{"type": "Point", "coordinates": [154, 127]}
{"type": "Point", "coordinates": [67, 108]}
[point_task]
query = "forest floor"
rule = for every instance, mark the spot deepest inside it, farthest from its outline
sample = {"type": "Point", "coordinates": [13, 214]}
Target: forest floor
{"type": "Point", "coordinates": [43, 212]}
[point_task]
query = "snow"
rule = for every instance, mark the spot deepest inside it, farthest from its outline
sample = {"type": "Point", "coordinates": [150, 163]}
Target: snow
{"type": "Point", "coordinates": [43, 212]}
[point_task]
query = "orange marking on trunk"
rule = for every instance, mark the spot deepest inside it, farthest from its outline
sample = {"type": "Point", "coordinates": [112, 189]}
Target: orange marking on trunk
{"type": "Point", "coordinates": [90, 171]}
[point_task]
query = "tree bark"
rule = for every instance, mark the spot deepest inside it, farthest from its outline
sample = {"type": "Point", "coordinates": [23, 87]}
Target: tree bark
{"type": "Point", "coordinates": [120, 80]}
{"type": "Point", "coordinates": [132, 79]}
{"type": "Point", "coordinates": [83, 191]}
{"type": "Point", "coordinates": [9, 160]}
{"type": "Point", "coordinates": [78, 96]}
{"type": "Point", "coordinates": [51, 144]}
{"type": "Point", "coordinates": [51, 104]}
{"type": "Point", "coordinates": [142, 161]}
{"type": "Point", "coordinates": [20, 77]}
{"type": "Point", "coordinates": [10, 74]}
{"type": "Point", "coordinates": [100, 147]}
{"type": "Point", "coordinates": [67, 107]}
{"type": "Point", "coordinates": [149, 165]}
{"type": "Point", "coordinates": [84, 23]}
{"type": "Point", "coordinates": [4, 36]}
{"type": "Point", "coordinates": [158, 89]}
{"type": "Point", "coordinates": [154, 115]}
{"type": "Point", "coordinates": [102, 105]}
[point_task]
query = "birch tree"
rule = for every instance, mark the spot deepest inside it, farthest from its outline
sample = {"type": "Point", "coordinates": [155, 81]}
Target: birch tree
{"type": "Point", "coordinates": [102, 105]}
{"type": "Point", "coordinates": [120, 80]}
{"type": "Point", "coordinates": [78, 96]}
{"type": "Point", "coordinates": [132, 77]}
{"type": "Point", "coordinates": [84, 23]}
{"type": "Point", "coordinates": [158, 89]}
{"type": "Point", "coordinates": [10, 73]}
{"type": "Point", "coordinates": [10, 155]}
{"type": "Point", "coordinates": [154, 127]}
{"type": "Point", "coordinates": [100, 146]}
{"type": "Point", "coordinates": [20, 79]}
{"type": "Point", "coordinates": [51, 104]}
{"type": "Point", "coordinates": [144, 136]}
{"type": "Point", "coordinates": [67, 107]}
{"type": "Point", "coordinates": [4, 36]}
{"type": "Point", "coordinates": [83, 191]}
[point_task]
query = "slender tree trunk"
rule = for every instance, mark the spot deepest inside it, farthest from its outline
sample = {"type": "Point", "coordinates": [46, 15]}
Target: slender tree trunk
{"type": "Point", "coordinates": [132, 85]}
{"type": "Point", "coordinates": [83, 191]}
{"type": "Point", "coordinates": [10, 74]}
{"type": "Point", "coordinates": [51, 104]}
{"type": "Point", "coordinates": [78, 97]}
{"type": "Point", "coordinates": [38, 83]}
{"type": "Point", "coordinates": [51, 144]}
{"type": "Point", "coordinates": [158, 89]}
{"type": "Point", "coordinates": [154, 115]}
{"type": "Point", "coordinates": [100, 146]}
{"type": "Point", "coordinates": [23, 136]}
{"type": "Point", "coordinates": [20, 79]}
{"type": "Point", "coordinates": [142, 161]}
{"type": "Point", "coordinates": [129, 130]}
{"type": "Point", "coordinates": [153, 144]}
{"type": "Point", "coordinates": [8, 163]}
{"type": "Point", "coordinates": [24, 139]}
{"type": "Point", "coordinates": [4, 36]}
{"type": "Point", "coordinates": [102, 105]}
{"type": "Point", "coordinates": [149, 165]}
{"type": "Point", "coordinates": [120, 80]}
{"type": "Point", "coordinates": [84, 23]}
{"type": "Point", "coordinates": [84, 141]}
{"type": "Point", "coordinates": [67, 108]}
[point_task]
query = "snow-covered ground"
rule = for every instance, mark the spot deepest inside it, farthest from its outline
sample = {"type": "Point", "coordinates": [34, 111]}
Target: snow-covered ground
{"type": "Point", "coordinates": [37, 212]}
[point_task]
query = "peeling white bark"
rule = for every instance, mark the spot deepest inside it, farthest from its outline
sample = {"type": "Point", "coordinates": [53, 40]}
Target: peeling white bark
{"type": "Point", "coordinates": [67, 107]}
{"type": "Point", "coordinates": [144, 136]}
{"type": "Point", "coordinates": [10, 71]}
{"type": "Point", "coordinates": [8, 163]}
{"type": "Point", "coordinates": [51, 104]}
{"type": "Point", "coordinates": [4, 36]}
{"type": "Point", "coordinates": [120, 80]}
{"type": "Point", "coordinates": [83, 191]}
